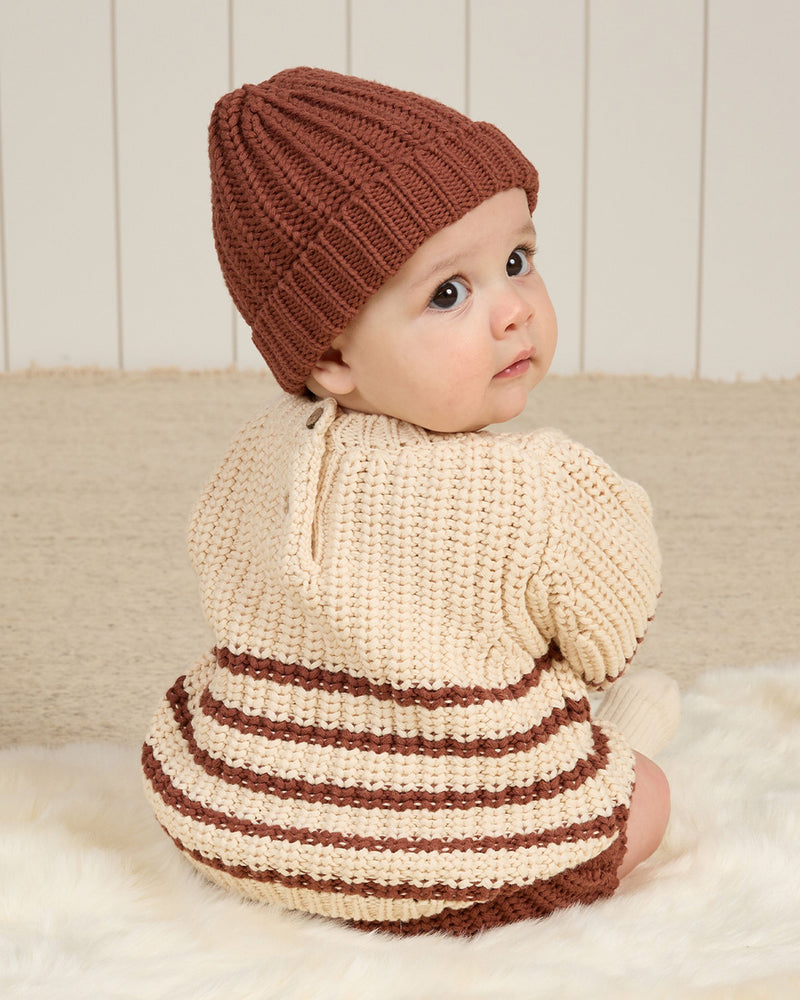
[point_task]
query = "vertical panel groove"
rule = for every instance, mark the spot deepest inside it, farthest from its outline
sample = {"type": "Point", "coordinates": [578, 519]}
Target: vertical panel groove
{"type": "Point", "coordinates": [3, 259]}
{"type": "Point", "coordinates": [231, 50]}
{"type": "Point", "coordinates": [231, 85]}
{"type": "Point", "coordinates": [702, 197]}
{"type": "Point", "coordinates": [584, 192]}
{"type": "Point", "coordinates": [115, 183]}
{"type": "Point", "coordinates": [467, 58]}
{"type": "Point", "coordinates": [348, 42]}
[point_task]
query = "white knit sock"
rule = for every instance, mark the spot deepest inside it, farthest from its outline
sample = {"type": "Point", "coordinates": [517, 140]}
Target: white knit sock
{"type": "Point", "coordinates": [645, 707]}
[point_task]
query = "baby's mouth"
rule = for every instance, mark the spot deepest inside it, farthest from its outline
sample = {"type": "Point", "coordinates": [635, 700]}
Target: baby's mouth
{"type": "Point", "coordinates": [517, 367]}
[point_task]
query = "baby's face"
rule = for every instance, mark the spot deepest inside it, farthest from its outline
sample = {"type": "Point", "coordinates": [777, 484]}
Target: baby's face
{"type": "Point", "coordinates": [459, 336]}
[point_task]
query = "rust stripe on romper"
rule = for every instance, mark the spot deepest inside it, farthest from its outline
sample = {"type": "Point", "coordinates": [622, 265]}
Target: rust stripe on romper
{"type": "Point", "coordinates": [339, 681]}
{"type": "Point", "coordinates": [177, 799]}
{"type": "Point", "coordinates": [388, 798]}
{"type": "Point", "coordinates": [334, 884]}
{"type": "Point", "coordinates": [573, 710]}
{"type": "Point", "coordinates": [375, 890]}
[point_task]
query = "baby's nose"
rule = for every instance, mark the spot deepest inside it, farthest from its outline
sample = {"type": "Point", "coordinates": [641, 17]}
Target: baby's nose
{"type": "Point", "coordinates": [511, 311]}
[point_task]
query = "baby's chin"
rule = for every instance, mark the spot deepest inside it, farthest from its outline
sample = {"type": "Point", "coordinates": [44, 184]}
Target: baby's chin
{"type": "Point", "coordinates": [474, 426]}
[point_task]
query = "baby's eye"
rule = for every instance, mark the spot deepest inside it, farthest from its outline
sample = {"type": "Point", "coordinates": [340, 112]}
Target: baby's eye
{"type": "Point", "coordinates": [519, 262]}
{"type": "Point", "coordinates": [451, 293]}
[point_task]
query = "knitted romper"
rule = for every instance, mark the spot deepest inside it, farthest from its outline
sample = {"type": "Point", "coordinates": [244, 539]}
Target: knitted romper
{"type": "Point", "coordinates": [393, 727]}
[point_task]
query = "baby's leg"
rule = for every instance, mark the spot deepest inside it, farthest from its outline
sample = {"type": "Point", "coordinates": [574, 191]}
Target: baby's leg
{"type": "Point", "coordinates": [649, 814]}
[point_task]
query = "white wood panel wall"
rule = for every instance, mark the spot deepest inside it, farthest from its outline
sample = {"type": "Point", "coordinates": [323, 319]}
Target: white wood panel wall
{"type": "Point", "coordinates": [171, 68]}
{"type": "Point", "coordinates": [751, 247]}
{"type": "Point", "coordinates": [59, 230]}
{"type": "Point", "coordinates": [666, 137]}
{"type": "Point", "coordinates": [644, 151]}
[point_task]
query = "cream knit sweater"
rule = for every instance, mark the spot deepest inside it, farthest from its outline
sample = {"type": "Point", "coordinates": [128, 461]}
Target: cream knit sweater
{"type": "Point", "coordinates": [393, 724]}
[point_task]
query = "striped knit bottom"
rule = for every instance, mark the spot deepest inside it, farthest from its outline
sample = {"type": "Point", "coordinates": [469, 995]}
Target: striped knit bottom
{"type": "Point", "coordinates": [408, 834]}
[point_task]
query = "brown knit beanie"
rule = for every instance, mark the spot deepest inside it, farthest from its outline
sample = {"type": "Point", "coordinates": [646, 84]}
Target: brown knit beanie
{"type": "Point", "coordinates": [323, 185]}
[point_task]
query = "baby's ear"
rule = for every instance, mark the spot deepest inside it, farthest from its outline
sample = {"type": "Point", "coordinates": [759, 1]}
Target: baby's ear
{"type": "Point", "coordinates": [332, 374]}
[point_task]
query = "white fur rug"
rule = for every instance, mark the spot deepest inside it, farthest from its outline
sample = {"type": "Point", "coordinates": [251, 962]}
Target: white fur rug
{"type": "Point", "coordinates": [95, 901]}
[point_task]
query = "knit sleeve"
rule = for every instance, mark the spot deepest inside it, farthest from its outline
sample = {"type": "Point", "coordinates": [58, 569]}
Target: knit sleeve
{"type": "Point", "coordinates": [599, 578]}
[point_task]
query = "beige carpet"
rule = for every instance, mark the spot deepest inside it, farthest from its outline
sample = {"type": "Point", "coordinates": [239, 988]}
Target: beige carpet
{"type": "Point", "coordinates": [100, 611]}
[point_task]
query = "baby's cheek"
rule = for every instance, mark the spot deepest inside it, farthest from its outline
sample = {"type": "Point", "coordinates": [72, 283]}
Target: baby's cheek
{"type": "Point", "coordinates": [467, 366]}
{"type": "Point", "coordinates": [455, 391]}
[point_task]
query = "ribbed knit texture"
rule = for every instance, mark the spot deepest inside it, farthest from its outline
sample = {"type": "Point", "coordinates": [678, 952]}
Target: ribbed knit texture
{"type": "Point", "coordinates": [646, 708]}
{"type": "Point", "coordinates": [393, 728]}
{"type": "Point", "coordinates": [323, 185]}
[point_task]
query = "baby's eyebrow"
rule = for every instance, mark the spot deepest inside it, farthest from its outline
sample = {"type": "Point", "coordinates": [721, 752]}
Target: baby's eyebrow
{"type": "Point", "coordinates": [444, 266]}
{"type": "Point", "coordinates": [450, 265]}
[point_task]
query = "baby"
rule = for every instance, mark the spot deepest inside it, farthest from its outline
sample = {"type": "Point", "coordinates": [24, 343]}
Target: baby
{"type": "Point", "coordinates": [410, 611]}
